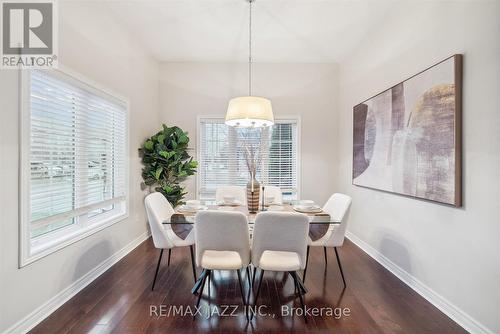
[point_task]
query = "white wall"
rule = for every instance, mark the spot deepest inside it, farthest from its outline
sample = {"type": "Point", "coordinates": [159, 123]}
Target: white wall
{"type": "Point", "coordinates": [93, 44]}
{"type": "Point", "coordinates": [308, 90]}
{"type": "Point", "coordinates": [454, 252]}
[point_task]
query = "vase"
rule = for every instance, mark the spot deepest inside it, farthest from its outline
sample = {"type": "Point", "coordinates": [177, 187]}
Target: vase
{"type": "Point", "coordinates": [253, 190]}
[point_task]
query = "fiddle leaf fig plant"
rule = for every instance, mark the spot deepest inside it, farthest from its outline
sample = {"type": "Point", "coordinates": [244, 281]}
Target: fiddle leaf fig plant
{"type": "Point", "coordinates": [167, 163]}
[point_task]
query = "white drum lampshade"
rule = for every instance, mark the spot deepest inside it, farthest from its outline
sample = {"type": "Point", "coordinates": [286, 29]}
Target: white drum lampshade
{"type": "Point", "coordinates": [249, 111]}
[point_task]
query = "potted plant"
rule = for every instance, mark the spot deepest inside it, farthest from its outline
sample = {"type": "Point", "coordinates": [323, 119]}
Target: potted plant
{"type": "Point", "coordinates": [167, 163]}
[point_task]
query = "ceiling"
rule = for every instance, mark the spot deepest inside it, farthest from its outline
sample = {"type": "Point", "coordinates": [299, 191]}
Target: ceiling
{"type": "Point", "coordinates": [217, 30]}
{"type": "Point", "coordinates": [284, 31]}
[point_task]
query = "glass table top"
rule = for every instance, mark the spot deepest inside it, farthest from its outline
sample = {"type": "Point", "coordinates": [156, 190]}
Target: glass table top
{"type": "Point", "coordinates": [188, 217]}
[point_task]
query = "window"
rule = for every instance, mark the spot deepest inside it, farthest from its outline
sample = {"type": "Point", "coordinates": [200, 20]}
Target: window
{"type": "Point", "coordinates": [73, 161]}
{"type": "Point", "coordinates": [222, 159]}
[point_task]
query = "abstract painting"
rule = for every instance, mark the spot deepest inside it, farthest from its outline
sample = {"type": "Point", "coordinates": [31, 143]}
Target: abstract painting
{"type": "Point", "coordinates": [407, 139]}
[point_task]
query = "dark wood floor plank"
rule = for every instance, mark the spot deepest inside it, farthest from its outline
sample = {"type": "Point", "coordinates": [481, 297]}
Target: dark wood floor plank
{"type": "Point", "coordinates": [137, 318]}
{"type": "Point", "coordinates": [63, 319]}
{"type": "Point", "coordinates": [401, 307]}
{"type": "Point", "coordinates": [119, 301]}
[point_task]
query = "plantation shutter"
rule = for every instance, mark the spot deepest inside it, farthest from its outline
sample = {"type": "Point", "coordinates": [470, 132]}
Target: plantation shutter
{"type": "Point", "coordinates": [222, 156]}
{"type": "Point", "coordinates": [77, 151]}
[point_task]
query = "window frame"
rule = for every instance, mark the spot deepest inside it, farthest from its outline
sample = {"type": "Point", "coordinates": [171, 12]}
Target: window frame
{"type": "Point", "coordinates": [280, 119]}
{"type": "Point", "coordinates": [41, 246]}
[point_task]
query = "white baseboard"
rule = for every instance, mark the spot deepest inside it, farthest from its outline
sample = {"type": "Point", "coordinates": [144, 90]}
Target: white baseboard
{"type": "Point", "coordinates": [456, 314]}
{"type": "Point", "coordinates": [42, 312]}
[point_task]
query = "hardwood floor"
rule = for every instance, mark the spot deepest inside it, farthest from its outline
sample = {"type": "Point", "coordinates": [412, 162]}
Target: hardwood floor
{"type": "Point", "coordinates": [121, 299]}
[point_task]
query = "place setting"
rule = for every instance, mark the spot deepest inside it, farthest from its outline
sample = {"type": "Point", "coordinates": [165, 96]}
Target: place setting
{"type": "Point", "coordinates": [307, 206]}
{"type": "Point", "coordinates": [230, 201]}
{"type": "Point", "coordinates": [271, 204]}
{"type": "Point", "coordinates": [192, 206]}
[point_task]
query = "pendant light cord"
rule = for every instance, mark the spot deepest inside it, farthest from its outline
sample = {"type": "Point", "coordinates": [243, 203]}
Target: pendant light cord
{"type": "Point", "coordinates": [250, 50]}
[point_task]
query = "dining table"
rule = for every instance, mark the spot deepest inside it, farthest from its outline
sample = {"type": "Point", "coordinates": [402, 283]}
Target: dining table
{"type": "Point", "coordinates": [182, 221]}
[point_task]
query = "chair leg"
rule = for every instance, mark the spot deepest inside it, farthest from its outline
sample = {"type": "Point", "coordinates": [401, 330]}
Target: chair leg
{"type": "Point", "coordinates": [251, 283]}
{"type": "Point", "coordinates": [192, 262]}
{"type": "Point", "coordinates": [261, 276]}
{"type": "Point", "coordinates": [253, 276]}
{"type": "Point", "coordinates": [197, 285]}
{"type": "Point", "coordinates": [300, 287]}
{"type": "Point", "coordinates": [340, 266]}
{"type": "Point", "coordinates": [326, 257]}
{"type": "Point", "coordinates": [248, 270]}
{"type": "Point", "coordinates": [296, 281]}
{"type": "Point", "coordinates": [305, 269]}
{"type": "Point", "coordinates": [169, 253]}
{"type": "Point", "coordinates": [241, 287]}
{"type": "Point", "coordinates": [209, 275]}
{"type": "Point", "coordinates": [157, 268]}
{"type": "Point", "coordinates": [248, 276]}
{"type": "Point", "coordinates": [242, 293]}
{"type": "Point", "coordinates": [204, 275]}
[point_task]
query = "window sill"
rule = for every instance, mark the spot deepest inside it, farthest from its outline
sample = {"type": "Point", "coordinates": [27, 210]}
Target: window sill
{"type": "Point", "coordinates": [44, 246]}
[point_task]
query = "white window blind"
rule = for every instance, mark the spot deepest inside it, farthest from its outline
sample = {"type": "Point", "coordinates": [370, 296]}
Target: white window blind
{"type": "Point", "coordinates": [77, 154]}
{"type": "Point", "coordinates": [282, 161]}
{"type": "Point", "coordinates": [222, 158]}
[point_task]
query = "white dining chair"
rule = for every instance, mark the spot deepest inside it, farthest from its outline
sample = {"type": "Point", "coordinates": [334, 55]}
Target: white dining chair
{"type": "Point", "coordinates": [158, 210]}
{"type": "Point", "coordinates": [239, 193]}
{"type": "Point", "coordinates": [279, 244]}
{"type": "Point", "coordinates": [222, 243]}
{"type": "Point", "coordinates": [272, 191]}
{"type": "Point", "coordinates": [337, 207]}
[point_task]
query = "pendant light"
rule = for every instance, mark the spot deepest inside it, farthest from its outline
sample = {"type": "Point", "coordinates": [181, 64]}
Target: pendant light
{"type": "Point", "coordinates": [249, 111]}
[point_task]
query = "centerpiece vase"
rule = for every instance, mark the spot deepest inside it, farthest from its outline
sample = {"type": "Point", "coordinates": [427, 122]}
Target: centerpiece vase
{"type": "Point", "coordinates": [253, 191]}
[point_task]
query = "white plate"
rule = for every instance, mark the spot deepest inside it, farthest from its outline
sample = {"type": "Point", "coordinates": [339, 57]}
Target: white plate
{"type": "Point", "coordinates": [184, 208]}
{"type": "Point", "coordinates": [307, 209]}
{"type": "Point", "coordinates": [226, 208]}
{"type": "Point", "coordinates": [275, 208]}
{"type": "Point", "coordinates": [235, 203]}
{"type": "Point", "coordinates": [273, 204]}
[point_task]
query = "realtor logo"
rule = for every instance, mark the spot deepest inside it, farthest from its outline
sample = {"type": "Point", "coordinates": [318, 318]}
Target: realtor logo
{"type": "Point", "coordinates": [28, 34]}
